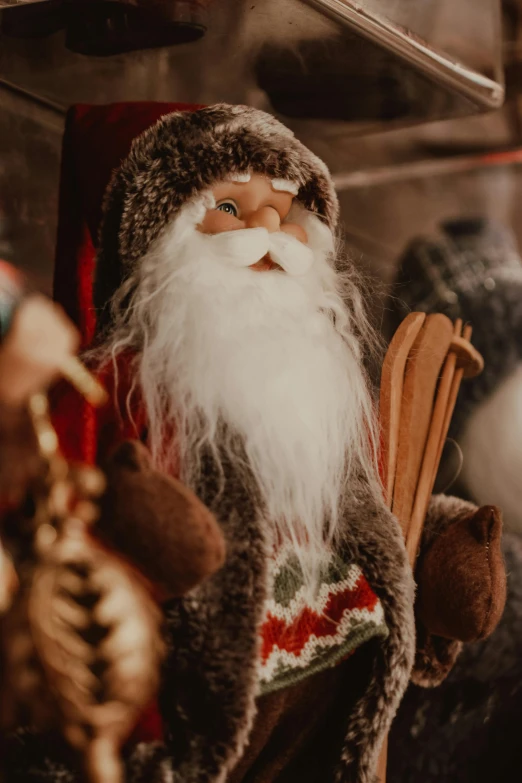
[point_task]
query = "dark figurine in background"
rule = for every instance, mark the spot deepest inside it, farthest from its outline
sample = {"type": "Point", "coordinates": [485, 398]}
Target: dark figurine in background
{"type": "Point", "coordinates": [467, 729]}
{"type": "Point", "coordinates": [472, 270]}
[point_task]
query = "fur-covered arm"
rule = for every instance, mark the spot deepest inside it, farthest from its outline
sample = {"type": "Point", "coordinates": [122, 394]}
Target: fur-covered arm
{"type": "Point", "coordinates": [461, 583]}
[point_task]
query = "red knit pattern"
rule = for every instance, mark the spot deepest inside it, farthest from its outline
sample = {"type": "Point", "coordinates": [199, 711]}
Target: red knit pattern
{"type": "Point", "coordinates": [293, 637]}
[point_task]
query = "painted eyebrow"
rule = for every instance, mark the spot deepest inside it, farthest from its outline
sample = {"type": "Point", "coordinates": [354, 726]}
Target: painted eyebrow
{"type": "Point", "coordinates": [285, 185]}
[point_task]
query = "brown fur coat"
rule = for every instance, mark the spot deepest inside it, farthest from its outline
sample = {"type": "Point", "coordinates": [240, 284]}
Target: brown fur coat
{"type": "Point", "coordinates": [208, 698]}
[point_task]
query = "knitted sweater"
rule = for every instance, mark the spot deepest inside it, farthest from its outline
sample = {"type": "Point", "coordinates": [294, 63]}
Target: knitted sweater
{"type": "Point", "coordinates": [302, 635]}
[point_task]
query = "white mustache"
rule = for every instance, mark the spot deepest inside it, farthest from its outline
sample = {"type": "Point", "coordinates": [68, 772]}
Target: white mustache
{"type": "Point", "coordinates": [247, 246]}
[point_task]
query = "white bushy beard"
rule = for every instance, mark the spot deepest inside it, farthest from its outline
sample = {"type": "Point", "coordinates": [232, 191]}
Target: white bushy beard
{"type": "Point", "coordinates": [272, 355]}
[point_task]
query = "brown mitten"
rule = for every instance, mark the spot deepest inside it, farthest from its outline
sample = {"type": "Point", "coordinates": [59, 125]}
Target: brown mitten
{"type": "Point", "coordinates": [158, 523]}
{"type": "Point", "coordinates": [462, 579]}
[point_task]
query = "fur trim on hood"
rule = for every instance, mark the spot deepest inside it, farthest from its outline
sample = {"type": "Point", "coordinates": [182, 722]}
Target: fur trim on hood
{"type": "Point", "coordinates": [180, 156]}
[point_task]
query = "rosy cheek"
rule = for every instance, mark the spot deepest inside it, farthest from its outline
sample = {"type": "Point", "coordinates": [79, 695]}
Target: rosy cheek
{"type": "Point", "coordinates": [216, 221]}
{"type": "Point", "coordinates": [296, 231]}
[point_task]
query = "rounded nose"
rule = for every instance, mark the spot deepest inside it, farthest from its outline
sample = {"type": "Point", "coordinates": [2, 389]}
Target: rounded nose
{"type": "Point", "coordinates": [266, 217]}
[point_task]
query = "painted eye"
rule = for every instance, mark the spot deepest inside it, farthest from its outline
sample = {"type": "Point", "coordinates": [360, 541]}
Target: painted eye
{"type": "Point", "coordinates": [228, 207]}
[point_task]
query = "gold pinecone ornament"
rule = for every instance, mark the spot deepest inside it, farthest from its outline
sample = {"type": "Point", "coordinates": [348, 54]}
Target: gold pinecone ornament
{"type": "Point", "coordinates": [96, 633]}
{"type": "Point", "coordinates": [82, 643]}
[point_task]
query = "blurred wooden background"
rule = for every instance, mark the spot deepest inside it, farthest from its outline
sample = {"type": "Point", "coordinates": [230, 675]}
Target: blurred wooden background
{"type": "Point", "coordinates": [285, 56]}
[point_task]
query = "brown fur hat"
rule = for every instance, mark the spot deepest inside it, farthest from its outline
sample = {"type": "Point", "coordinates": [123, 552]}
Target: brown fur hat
{"type": "Point", "coordinates": [183, 154]}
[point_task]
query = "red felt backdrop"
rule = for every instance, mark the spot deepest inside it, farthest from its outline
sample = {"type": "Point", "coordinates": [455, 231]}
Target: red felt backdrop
{"type": "Point", "coordinates": [96, 140]}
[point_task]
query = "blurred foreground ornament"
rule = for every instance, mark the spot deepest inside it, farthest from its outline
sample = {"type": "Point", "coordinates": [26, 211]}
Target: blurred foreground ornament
{"type": "Point", "coordinates": [8, 580]}
{"type": "Point", "coordinates": [81, 646]}
{"type": "Point", "coordinates": [37, 340]}
{"type": "Point", "coordinates": [96, 633]}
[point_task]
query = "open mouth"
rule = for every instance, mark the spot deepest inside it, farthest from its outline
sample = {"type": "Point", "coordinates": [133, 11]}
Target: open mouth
{"type": "Point", "coordinates": [265, 264]}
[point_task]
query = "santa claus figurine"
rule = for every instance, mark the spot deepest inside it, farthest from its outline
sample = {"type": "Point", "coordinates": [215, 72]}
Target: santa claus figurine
{"type": "Point", "coordinates": [233, 334]}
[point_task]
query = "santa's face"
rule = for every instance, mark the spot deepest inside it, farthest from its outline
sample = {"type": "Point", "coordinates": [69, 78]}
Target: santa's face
{"type": "Point", "coordinates": [256, 203]}
{"type": "Point", "coordinates": [274, 357]}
